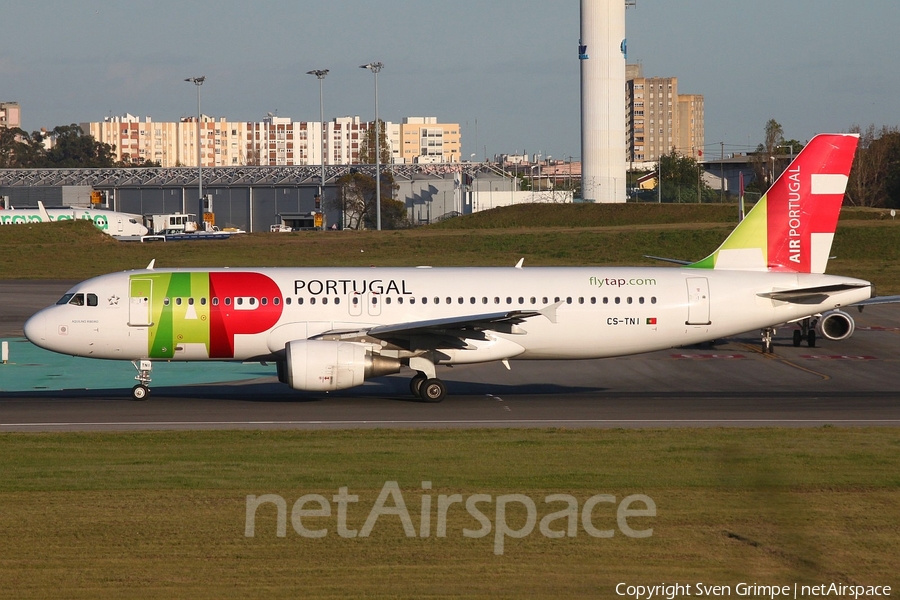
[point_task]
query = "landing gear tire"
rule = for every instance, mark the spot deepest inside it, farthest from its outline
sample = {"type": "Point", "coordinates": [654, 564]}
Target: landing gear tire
{"type": "Point", "coordinates": [415, 384]}
{"type": "Point", "coordinates": [811, 338]}
{"type": "Point", "coordinates": [432, 390]}
{"type": "Point", "coordinates": [798, 338]}
{"type": "Point", "coordinates": [140, 392]}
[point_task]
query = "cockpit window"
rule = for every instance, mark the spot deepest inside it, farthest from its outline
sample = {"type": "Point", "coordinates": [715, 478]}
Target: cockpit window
{"type": "Point", "coordinates": [77, 300]}
{"type": "Point", "coordinates": [92, 299]}
{"type": "Point", "coordinates": [65, 299]}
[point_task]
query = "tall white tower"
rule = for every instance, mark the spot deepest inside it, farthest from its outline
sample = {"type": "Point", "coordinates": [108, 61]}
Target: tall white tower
{"type": "Point", "coordinates": [601, 51]}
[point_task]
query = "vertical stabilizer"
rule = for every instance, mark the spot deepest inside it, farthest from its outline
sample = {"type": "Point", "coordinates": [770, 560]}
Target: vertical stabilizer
{"type": "Point", "coordinates": [792, 226]}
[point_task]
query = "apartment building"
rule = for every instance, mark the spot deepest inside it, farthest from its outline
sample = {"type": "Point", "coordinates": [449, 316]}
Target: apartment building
{"type": "Point", "coordinates": [10, 115]}
{"type": "Point", "coordinates": [274, 141]}
{"type": "Point", "coordinates": [424, 140]}
{"type": "Point", "coordinates": [658, 119]}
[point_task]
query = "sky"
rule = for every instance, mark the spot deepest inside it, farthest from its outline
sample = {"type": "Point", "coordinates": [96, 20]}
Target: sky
{"type": "Point", "coordinates": [506, 70]}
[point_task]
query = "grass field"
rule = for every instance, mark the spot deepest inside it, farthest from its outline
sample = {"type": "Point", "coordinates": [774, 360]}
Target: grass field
{"type": "Point", "coordinates": [867, 243]}
{"type": "Point", "coordinates": [164, 514]}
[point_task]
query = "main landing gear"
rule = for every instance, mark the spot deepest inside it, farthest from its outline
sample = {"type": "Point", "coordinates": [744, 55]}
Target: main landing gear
{"type": "Point", "coordinates": [806, 332]}
{"type": "Point", "coordinates": [142, 389]}
{"type": "Point", "coordinates": [425, 384]}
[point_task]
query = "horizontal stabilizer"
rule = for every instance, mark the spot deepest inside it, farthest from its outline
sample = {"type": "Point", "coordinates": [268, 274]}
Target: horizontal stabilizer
{"type": "Point", "coordinates": [812, 295]}
{"type": "Point", "coordinates": [669, 260]}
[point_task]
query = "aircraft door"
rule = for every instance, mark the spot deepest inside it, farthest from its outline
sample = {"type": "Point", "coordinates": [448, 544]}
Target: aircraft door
{"type": "Point", "coordinates": [698, 301]}
{"type": "Point", "coordinates": [139, 302]}
{"type": "Point", "coordinates": [120, 226]}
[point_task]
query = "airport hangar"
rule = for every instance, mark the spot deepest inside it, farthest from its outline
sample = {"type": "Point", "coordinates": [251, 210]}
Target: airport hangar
{"type": "Point", "coordinates": [254, 198]}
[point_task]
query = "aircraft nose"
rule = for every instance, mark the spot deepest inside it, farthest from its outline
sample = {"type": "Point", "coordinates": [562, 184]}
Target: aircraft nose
{"type": "Point", "coordinates": [36, 329]}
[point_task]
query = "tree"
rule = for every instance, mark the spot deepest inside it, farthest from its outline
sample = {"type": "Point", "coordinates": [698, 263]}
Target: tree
{"type": "Point", "coordinates": [875, 177]}
{"type": "Point", "coordinates": [18, 150]}
{"type": "Point", "coordinates": [763, 161]}
{"type": "Point", "coordinates": [74, 148]}
{"type": "Point", "coordinates": [356, 202]}
{"type": "Point", "coordinates": [367, 146]}
{"type": "Point", "coordinates": [681, 179]}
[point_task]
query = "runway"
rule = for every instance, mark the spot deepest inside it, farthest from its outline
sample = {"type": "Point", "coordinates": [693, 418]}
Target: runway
{"type": "Point", "coordinates": [730, 384]}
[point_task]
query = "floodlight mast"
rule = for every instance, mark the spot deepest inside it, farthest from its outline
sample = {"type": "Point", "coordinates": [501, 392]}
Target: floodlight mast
{"type": "Point", "coordinates": [320, 74]}
{"type": "Point", "coordinates": [198, 81]}
{"type": "Point", "coordinates": [375, 67]}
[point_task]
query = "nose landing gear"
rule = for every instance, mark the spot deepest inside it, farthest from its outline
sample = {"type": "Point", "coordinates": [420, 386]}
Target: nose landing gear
{"type": "Point", "coordinates": [142, 389]}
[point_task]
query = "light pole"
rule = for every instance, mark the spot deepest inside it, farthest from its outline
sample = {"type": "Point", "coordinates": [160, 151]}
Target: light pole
{"type": "Point", "coordinates": [320, 74]}
{"type": "Point", "coordinates": [375, 68]}
{"type": "Point", "coordinates": [198, 81]}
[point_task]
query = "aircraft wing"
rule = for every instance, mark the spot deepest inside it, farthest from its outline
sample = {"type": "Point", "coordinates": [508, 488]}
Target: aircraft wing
{"type": "Point", "coordinates": [449, 332]}
{"type": "Point", "coordinates": [877, 300]}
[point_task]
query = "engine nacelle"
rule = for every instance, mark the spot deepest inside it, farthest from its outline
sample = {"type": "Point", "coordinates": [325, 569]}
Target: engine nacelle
{"type": "Point", "coordinates": [323, 366]}
{"type": "Point", "coordinates": [835, 325]}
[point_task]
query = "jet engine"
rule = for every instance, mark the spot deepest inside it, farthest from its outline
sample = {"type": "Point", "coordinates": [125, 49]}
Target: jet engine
{"type": "Point", "coordinates": [322, 366]}
{"type": "Point", "coordinates": [835, 325]}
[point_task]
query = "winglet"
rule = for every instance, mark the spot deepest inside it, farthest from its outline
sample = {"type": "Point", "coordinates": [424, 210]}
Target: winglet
{"type": "Point", "coordinates": [550, 311]}
{"type": "Point", "coordinates": [520, 263]}
{"type": "Point", "coordinates": [150, 266]}
{"type": "Point", "coordinates": [43, 212]}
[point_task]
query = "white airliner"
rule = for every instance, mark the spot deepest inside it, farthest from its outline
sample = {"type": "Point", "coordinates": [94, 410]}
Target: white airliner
{"type": "Point", "coordinates": [107, 221]}
{"type": "Point", "coordinates": [333, 328]}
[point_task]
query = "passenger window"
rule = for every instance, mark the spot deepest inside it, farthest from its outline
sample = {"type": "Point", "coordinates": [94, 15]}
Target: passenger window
{"type": "Point", "coordinates": [227, 301]}
{"type": "Point", "coordinates": [165, 301]}
{"type": "Point", "coordinates": [338, 300]}
{"type": "Point", "coordinates": [400, 300]}
{"type": "Point", "coordinates": [355, 299]}
{"type": "Point", "coordinates": [472, 300]}
{"type": "Point", "coordinates": [190, 301]}
{"type": "Point", "coordinates": [653, 300]}
{"type": "Point", "coordinates": [264, 301]}
{"type": "Point", "coordinates": [521, 300]}
{"type": "Point", "coordinates": [374, 298]}
{"type": "Point", "coordinates": [593, 300]}
{"type": "Point", "coordinates": [605, 300]}
{"type": "Point", "coordinates": [215, 302]}
{"type": "Point", "coordinates": [276, 300]}
{"type": "Point", "coordinates": [508, 300]}
{"type": "Point", "coordinates": [252, 301]}
{"type": "Point", "coordinates": [202, 301]}
{"type": "Point", "coordinates": [412, 300]}
{"type": "Point", "coordinates": [424, 300]}
{"type": "Point", "coordinates": [311, 300]}
{"type": "Point", "coordinates": [533, 300]}
{"type": "Point", "coordinates": [580, 300]}
{"type": "Point", "coordinates": [388, 299]}
{"type": "Point", "coordinates": [324, 300]}
{"type": "Point", "coordinates": [437, 300]}
{"type": "Point", "coordinates": [484, 300]}
{"type": "Point", "coordinates": [300, 301]}
{"type": "Point", "coordinates": [569, 300]}
{"type": "Point", "coordinates": [629, 300]}
{"type": "Point", "coordinates": [287, 301]}
{"type": "Point", "coordinates": [641, 300]}
{"type": "Point", "coordinates": [240, 302]}
{"type": "Point", "coordinates": [178, 301]}
{"type": "Point", "coordinates": [450, 300]}
{"type": "Point", "coordinates": [92, 299]}
{"type": "Point", "coordinates": [618, 300]}
{"type": "Point", "coordinates": [556, 299]}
